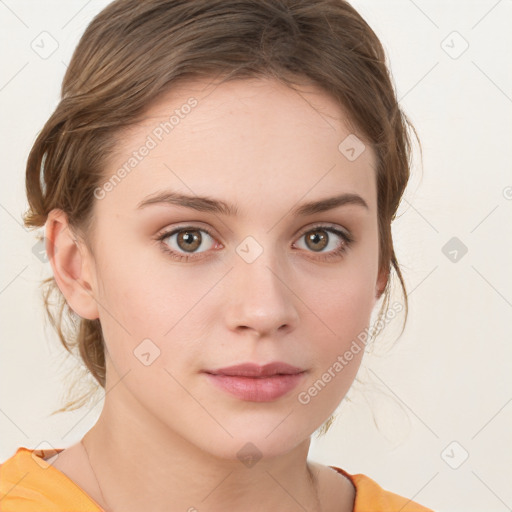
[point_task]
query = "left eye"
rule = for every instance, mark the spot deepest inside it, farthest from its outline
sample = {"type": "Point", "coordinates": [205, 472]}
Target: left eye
{"type": "Point", "coordinates": [319, 238]}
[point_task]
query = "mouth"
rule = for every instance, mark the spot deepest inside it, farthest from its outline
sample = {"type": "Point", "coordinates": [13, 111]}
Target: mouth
{"type": "Point", "coordinates": [255, 383]}
{"type": "Point", "coordinates": [255, 370]}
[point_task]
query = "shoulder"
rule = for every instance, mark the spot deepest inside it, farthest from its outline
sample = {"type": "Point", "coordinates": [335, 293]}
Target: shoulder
{"type": "Point", "coordinates": [29, 483]}
{"type": "Point", "coordinates": [370, 496]}
{"type": "Point", "coordinates": [336, 492]}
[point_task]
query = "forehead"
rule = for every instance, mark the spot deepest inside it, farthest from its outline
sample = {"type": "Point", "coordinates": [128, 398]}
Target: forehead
{"type": "Point", "coordinates": [255, 137]}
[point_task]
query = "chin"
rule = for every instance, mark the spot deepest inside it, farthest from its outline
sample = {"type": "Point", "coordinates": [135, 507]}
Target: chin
{"type": "Point", "coordinates": [256, 440]}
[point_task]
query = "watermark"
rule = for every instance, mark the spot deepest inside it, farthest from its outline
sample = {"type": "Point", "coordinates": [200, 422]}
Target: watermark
{"type": "Point", "coordinates": [454, 249]}
{"type": "Point", "coordinates": [39, 249]}
{"type": "Point", "coordinates": [351, 147]}
{"type": "Point", "coordinates": [249, 249]}
{"type": "Point", "coordinates": [358, 344]}
{"type": "Point", "coordinates": [249, 455]}
{"type": "Point", "coordinates": [152, 140]}
{"type": "Point", "coordinates": [454, 45]}
{"type": "Point", "coordinates": [454, 455]}
{"type": "Point", "coordinates": [44, 454]}
{"type": "Point", "coordinates": [146, 352]}
{"type": "Point", "coordinates": [45, 45]}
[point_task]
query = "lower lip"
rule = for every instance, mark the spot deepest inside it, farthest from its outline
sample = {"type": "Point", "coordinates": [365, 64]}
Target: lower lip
{"type": "Point", "coordinates": [257, 389]}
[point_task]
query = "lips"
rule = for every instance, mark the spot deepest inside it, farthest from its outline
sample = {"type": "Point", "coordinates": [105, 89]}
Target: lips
{"type": "Point", "coordinates": [255, 370]}
{"type": "Point", "coordinates": [255, 383]}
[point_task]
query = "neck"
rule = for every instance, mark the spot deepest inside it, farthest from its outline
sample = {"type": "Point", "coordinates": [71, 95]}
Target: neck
{"type": "Point", "coordinates": [159, 467]}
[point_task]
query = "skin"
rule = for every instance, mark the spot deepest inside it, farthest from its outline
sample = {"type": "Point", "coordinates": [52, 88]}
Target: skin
{"type": "Point", "coordinates": [165, 433]}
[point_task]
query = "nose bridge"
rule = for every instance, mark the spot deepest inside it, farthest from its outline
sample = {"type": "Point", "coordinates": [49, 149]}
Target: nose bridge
{"type": "Point", "coordinates": [261, 298]}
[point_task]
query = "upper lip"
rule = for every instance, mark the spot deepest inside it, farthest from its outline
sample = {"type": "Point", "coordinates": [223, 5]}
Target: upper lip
{"type": "Point", "coordinates": [256, 370]}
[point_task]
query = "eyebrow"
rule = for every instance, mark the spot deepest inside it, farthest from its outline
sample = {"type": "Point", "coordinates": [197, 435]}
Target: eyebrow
{"type": "Point", "coordinates": [208, 204]}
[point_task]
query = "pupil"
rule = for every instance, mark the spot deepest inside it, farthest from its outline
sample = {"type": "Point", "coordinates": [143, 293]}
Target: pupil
{"type": "Point", "coordinates": [316, 238]}
{"type": "Point", "coordinates": [189, 239]}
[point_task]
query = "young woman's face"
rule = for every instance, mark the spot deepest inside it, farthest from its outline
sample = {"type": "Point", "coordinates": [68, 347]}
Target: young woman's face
{"type": "Point", "coordinates": [235, 273]}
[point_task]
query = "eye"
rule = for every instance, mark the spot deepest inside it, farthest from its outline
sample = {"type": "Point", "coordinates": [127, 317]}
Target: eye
{"type": "Point", "coordinates": [320, 237]}
{"type": "Point", "coordinates": [182, 243]}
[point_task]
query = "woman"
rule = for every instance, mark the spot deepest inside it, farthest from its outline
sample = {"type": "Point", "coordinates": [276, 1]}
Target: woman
{"type": "Point", "coordinates": [217, 187]}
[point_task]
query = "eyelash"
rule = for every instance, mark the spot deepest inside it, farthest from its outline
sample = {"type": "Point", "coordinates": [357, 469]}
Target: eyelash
{"type": "Point", "coordinates": [335, 254]}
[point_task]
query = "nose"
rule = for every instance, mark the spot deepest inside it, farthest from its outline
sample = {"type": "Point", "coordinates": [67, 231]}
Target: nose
{"type": "Point", "coordinates": [260, 298]}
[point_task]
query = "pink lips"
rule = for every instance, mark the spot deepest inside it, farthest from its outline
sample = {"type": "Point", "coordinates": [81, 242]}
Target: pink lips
{"type": "Point", "coordinates": [257, 383]}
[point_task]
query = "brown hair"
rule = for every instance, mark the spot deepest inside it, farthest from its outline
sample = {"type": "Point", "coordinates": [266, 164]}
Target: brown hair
{"type": "Point", "coordinates": [134, 51]}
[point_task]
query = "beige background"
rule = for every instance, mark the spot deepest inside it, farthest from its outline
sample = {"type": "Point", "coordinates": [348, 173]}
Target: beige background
{"type": "Point", "coordinates": [443, 392]}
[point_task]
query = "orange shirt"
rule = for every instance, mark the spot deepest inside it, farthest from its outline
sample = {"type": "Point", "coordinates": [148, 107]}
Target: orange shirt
{"type": "Point", "coordinates": [29, 484]}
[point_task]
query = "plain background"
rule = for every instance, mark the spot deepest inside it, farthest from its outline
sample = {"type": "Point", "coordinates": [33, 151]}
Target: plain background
{"type": "Point", "coordinates": [440, 396]}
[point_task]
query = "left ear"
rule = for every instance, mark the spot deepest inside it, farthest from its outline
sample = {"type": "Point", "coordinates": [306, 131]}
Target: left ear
{"type": "Point", "coordinates": [382, 281]}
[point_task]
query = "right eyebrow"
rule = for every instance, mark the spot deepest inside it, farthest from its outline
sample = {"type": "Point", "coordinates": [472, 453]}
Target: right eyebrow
{"type": "Point", "coordinates": [199, 203]}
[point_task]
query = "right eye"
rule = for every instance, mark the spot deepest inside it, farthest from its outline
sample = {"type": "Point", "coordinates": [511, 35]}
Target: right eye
{"type": "Point", "coordinates": [184, 242]}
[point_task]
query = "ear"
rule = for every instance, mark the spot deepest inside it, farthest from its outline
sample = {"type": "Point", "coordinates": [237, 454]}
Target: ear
{"type": "Point", "coordinates": [382, 281]}
{"type": "Point", "coordinates": [71, 263]}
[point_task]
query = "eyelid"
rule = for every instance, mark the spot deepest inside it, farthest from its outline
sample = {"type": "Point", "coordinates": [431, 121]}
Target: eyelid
{"type": "Point", "coordinates": [196, 226]}
{"type": "Point", "coordinates": [325, 225]}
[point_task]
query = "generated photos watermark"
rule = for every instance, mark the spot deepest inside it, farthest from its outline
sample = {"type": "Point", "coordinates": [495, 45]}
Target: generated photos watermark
{"type": "Point", "coordinates": [152, 140]}
{"type": "Point", "coordinates": [358, 344]}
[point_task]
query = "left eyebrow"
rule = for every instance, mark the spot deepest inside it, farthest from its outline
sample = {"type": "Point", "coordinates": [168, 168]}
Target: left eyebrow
{"type": "Point", "coordinates": [208, 204]}
{"type": "Point", "coordinates": [330, 203]}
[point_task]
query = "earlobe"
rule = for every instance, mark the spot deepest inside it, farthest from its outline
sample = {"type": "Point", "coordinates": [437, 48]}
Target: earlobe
{"type": "Point", "coordinates": [382, 281]}
{"type": "Point", "coordinates": [70, 265]}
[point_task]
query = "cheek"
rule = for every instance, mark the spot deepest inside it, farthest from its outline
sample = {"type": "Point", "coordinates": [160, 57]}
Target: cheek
{"type": "Point", "coordinates": [142, 296]}
{"type": "Point", "coordinates": [162, 303]}
{"type": "Point", "coordinates": [346, 317]}
{"type": "Point", "coordinates": [148, 332]}
{"type": "Point", "coordinates": [342, 305]}
{"type": "Point", "coordinates": [343, 300]}
{"type": "Point", "coordinates": [339, 343]}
